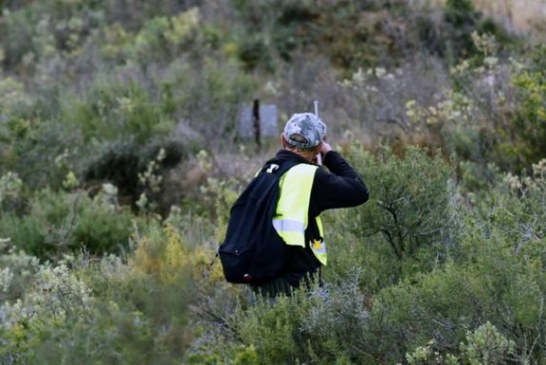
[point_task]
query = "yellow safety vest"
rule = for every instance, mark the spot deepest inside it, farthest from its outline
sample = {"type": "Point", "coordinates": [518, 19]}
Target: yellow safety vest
{"type": "Point", "coordinates": [290, 220]}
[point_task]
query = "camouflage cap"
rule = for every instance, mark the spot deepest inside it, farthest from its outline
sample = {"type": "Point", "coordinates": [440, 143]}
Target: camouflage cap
{"type": "Point", "coordinates": [304, 130]}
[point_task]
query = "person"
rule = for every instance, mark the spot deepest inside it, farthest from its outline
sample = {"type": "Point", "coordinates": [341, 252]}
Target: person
{"type": "Point", "coordinates": [306, 190]}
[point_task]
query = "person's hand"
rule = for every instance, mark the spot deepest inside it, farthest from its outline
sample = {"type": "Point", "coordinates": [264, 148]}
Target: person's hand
{"type": "Point", "coordinates": [324, 148]}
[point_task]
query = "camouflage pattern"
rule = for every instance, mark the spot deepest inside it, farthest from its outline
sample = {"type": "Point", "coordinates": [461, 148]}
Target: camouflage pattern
{"type": "Point", "coordinates": [306, 125]}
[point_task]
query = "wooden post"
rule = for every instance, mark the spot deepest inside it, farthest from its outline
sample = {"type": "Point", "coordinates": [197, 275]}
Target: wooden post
{"type": "Point", "coordinates": [256, 120]}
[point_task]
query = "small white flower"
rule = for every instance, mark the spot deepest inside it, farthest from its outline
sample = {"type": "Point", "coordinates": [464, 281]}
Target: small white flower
{"type": "Point", "coordinates": [491, 61]}
{"type": "Point", "coordinates": [380, 72]}
{"type": "Point", "coordinates": [6, 276]}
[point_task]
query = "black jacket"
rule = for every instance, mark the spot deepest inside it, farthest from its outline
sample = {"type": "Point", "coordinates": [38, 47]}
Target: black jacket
{"type": "Point", "coordinates": [340, 187]}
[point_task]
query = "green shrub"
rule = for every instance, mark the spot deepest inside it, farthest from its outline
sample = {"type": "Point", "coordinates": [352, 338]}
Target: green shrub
{"type": "Point", "coordinates": [253, 53]}
{"type": "Point", "coordinates": [16, 41]}
{"type": "Point", "coordinates": [442, 306]}
{"type": "Point", "coordinates": [134, 13]}
{"type": "Point", "coordinates": [42, 31]}
{"type": "Point", "coordinates": [138, 169]}
{"type": "Point", "coordinates": [132, 309]}
{"type": "Point", "coordinates": [318, 326]}
{"type": "Point", "coordinates": [484, 345]}
{"type": "Point", "coordinates": [497, 276]}
{"type": "Point", "coordinates": [211, 95]}
{"type": "Point", "coordinates": [463, 18]}
{"type": "Point", "coordinates": [60, 222]}
{"type": "Point", "coordinates": [57, 318]}
{"type": "Point", "coordinates": [18, 270]}
{"type": "Point", "coordinates": [32, 139]}
{"type": "Point", "coordinates": [150, 41]}
{"type": "Point", "coordinates": [10, 191]}
{"type": "Point", "coordinates": [34, 147]}
{"type": "Point", "coordinates": [439, 306]}
{"type": "Point", "coordinates": [161, 37]}
{"type": "Point", "coordinates": [53, 296]}
{"type": "Point", "coordinates": [111, 111]}
{"type": "Point", "coordinates": [491, 114]}
{"type": "Point", "coordinates": [530, 121]}
{"type": "Point", "coordinates": [409, 207]}
{"type": "Point", "coordinates": [449, 33]}
{"type": "Point", "coordinates": [119, 165]}
{"type": "Point", "coordinates": [512, 117]}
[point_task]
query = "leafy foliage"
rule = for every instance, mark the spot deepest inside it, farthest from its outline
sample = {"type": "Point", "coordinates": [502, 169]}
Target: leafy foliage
{"type": "Point", "coordinates": [120, 160]}
{"type": "Point", "coordinates": [61, 222]}
{"type": "Point", "coordinates": [410, 207]}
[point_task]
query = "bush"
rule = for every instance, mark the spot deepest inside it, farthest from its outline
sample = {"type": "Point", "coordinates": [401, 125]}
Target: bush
{"type": "Point", "coordinates": [40, 151]}
{"type": "Point", "coordinates": [496, 276]}
{"type": "Point", "coordinates": [320, 326]}
{"type": "Point", "coordinates": [17, 38]}
{"type": "Point", "coordinates": [57, 317]}
{"type": "Point", "coordinates": [485, 345]}
{"type": "Point", "coordinates": [10, 191]}
{"type": "Point", "coordinates": [409, 208]}
{"type": "Point", "coordinates": [60, 222]}
{"type": "Point", "coordinates": [31, 140]}
{"type": "Point", "coordinates": [492, 114]}
{"type": "Point", "coordinates": [113, 111]}
{"type": "Point", "coordinates": [138, 169]}
{"type": "Point", "coordinates": [210, 95]}
{"type": "Point", "coordinates": [530, 119]}
{"type": "Point", "coordinates": [43, 31]}
{"type": "Point", "coordinates": [53, 296]}
{"type": "Point", "coordinates": [462, 18]}
{"type": "Point", "coordinates": [133, 309]}
{"type": "Point", "coordinates": [17, 273]}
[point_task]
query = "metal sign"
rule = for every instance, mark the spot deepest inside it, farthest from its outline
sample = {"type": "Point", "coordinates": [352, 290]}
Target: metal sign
{"type": "Point", "coordinates": [258, 121]}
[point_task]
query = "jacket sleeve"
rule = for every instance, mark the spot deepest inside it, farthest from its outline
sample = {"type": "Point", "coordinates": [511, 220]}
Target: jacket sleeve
{"type": "Point", "coordinates": [340, 188]}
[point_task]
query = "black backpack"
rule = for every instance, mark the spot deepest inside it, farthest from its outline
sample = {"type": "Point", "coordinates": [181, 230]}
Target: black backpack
{"type": "Point", "coordinates": [253, 252]}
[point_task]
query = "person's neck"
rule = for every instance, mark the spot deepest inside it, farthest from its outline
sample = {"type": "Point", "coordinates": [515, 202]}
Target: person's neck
{"type": "Point", "coordinates": [306, 155]}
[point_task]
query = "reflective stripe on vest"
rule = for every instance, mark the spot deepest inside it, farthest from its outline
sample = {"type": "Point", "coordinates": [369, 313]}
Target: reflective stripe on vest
{"type": "Point", "coordinates": [290, 220]}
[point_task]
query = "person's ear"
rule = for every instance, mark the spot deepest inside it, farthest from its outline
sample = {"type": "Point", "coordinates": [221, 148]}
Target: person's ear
{"type": "Point", "coordinates": [283, 141]}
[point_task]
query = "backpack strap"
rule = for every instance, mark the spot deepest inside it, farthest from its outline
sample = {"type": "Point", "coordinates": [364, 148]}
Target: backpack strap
{"type": "Point", "coordinates": [278, 167]}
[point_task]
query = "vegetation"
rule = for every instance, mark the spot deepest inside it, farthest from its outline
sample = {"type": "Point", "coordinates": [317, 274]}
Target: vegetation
{"type": "Point", "coordinates": [120, 159]}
